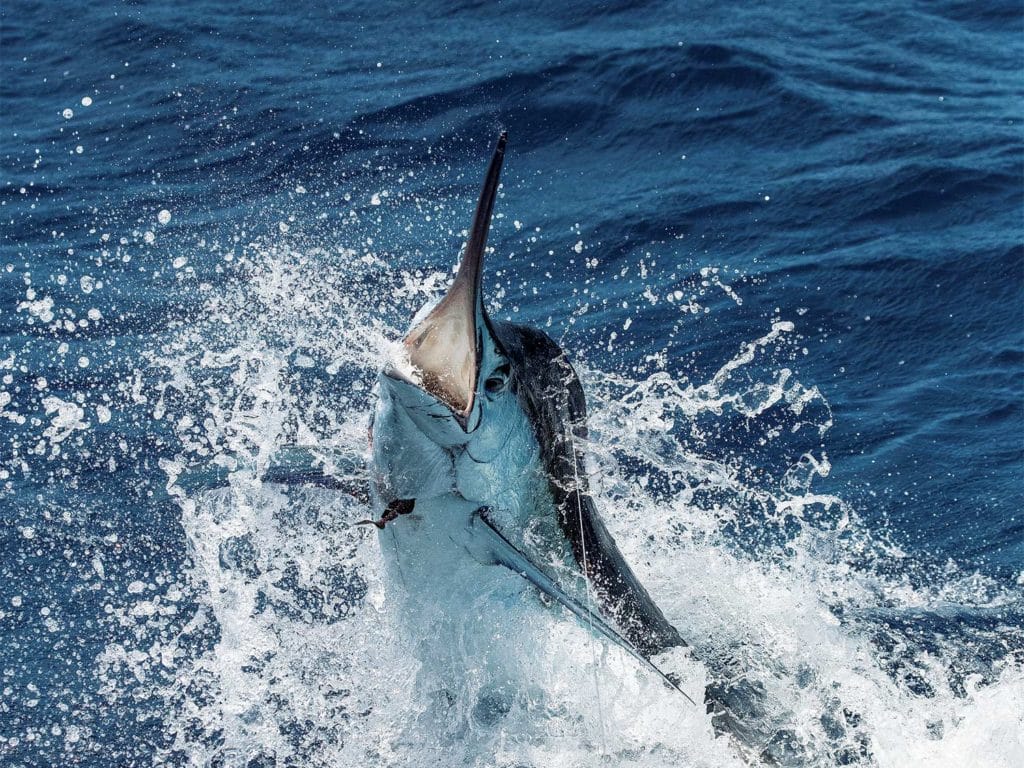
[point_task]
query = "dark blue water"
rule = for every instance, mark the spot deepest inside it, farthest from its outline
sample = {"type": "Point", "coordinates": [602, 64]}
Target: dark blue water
{"type": "Point", "coordinates": [855, 171]}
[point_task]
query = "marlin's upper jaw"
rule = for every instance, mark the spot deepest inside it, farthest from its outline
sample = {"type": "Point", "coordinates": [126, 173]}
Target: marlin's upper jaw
{"type": "Point", "coordinates": [443, 352]}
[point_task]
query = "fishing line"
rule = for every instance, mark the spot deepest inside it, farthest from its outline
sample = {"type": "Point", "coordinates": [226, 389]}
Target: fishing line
{"type": "Point", "coordinates": [590, 606]}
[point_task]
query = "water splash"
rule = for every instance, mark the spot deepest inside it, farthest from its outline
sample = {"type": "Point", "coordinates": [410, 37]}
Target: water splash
{"type": "Point", "coordinates": [279, 642]}
{"type": "Point", "coordinates": [784, 594]}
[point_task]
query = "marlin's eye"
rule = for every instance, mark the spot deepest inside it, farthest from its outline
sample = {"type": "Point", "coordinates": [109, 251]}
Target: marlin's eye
{"type": "Point", "coordinates": [495, 383]}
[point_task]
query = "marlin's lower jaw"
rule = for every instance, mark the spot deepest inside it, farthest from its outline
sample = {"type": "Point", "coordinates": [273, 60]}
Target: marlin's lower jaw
{"type": "Point", "coordinates": [432, 416]}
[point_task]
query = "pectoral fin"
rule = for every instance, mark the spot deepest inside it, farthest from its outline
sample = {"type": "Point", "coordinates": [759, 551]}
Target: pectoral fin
{"type": "Point", "coordinates": [289, 465]}
{"type": "Point", "coordinates": [505, 553]}
{"type": "Point", "coordinates": [305, 465]}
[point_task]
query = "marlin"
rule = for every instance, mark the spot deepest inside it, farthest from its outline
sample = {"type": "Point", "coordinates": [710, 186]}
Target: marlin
{"type": "Point", "coordinates": [478, 468]}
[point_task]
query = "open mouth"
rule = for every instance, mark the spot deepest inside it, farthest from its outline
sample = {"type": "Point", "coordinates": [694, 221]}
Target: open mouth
{"type": "Point", "coordinates": [443, 351]}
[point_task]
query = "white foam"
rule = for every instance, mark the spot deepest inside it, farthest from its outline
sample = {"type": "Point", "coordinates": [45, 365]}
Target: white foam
{"type": "Point", "coordinates": [774, 576]}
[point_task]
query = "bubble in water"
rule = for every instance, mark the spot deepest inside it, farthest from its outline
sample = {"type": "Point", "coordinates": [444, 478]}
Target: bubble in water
{"type": "Point", "coordinates": [68, 113]}
{"type": "Point", "coordinates": [86, 101]}
{"type": "Point", "coordinates": [164, 217]}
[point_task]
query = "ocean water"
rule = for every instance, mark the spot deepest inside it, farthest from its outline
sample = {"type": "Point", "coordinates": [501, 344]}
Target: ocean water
{"type": "Point", "coordinates": [784, 247]}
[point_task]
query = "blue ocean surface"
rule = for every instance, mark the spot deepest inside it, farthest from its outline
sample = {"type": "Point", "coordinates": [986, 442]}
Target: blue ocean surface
{"type": "Point", "coordinates": [782, 244]}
